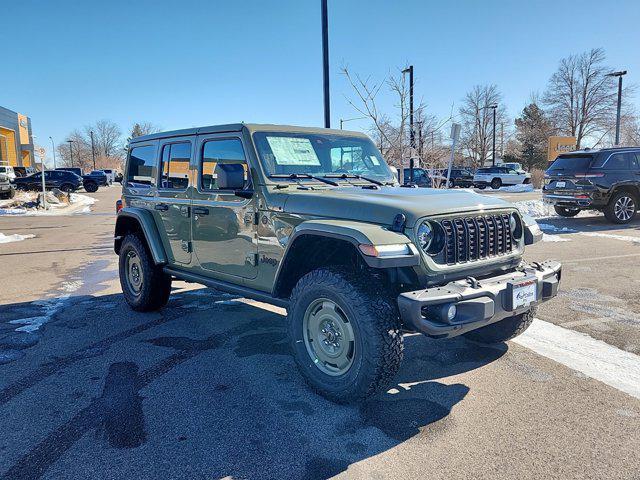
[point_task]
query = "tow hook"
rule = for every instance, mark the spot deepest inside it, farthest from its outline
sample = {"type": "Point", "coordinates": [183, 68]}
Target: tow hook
{"type": "Point", "coordinates": [473, 282]}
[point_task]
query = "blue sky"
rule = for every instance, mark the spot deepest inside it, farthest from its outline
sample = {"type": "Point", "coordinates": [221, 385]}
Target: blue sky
{"type": "Point", "coordinates": [183, 64]}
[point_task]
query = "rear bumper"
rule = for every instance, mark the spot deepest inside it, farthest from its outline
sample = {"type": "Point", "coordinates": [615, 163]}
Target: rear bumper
{"type": "Point", "coordinates": [580, 200]}
{"type": "Point", "coordinates": [478, 303]}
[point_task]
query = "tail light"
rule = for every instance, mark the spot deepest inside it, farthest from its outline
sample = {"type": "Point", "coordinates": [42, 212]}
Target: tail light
{"type": "Point", "coordinates": [119, 205]}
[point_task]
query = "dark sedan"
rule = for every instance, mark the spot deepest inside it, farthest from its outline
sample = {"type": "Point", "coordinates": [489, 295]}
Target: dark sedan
{"type": "Point", "coordinates": [65, 181]}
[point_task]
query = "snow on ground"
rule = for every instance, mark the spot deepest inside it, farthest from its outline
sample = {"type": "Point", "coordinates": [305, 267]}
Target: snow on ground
{"type": "Point", "coordinates": [626, 238]}
{"type": "Point", "coordinates": [14, 238]}
{"type": "Point", "coordinates": [23, 204]}
{"type": "Point", "coordinates": [554, 238]}
{"type": "Point", "coordinates": [536, 209]}
{"type": "Point", "coordinates": [523, 187]}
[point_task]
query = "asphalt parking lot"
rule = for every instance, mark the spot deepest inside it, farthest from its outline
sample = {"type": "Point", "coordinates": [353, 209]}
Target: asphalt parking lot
{"type": "Point", "coordinates": [206, 388]}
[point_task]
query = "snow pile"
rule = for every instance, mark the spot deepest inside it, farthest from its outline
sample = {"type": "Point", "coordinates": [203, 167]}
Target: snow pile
{"type": "Point", "coordinates": [523, 187]}
{"type": "Point", "coordinates": [554, 238]}
{"type": "Point", "coordinates": [546, 227]}
{"type": "Point", "coordinates": [536, 208]}
{"type": "Point", "coordinates": [26, 203]}
{"type": "Point", "coordinates": [14, 238]}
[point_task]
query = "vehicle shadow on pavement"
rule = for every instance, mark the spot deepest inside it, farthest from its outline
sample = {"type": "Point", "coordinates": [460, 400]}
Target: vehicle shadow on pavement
{"type": "Point", "coordinates": [208, 388]}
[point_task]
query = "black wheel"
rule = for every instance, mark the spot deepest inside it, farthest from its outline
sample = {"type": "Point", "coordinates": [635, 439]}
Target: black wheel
{"type": "Point", "coordinates": [621, 208]}
{"type": "Point", "coordinates": [10, 194]}
{"type": "Point", "coordinates": [67, 188]}
{"type": "Point", "coordinates": [496, 183]}
{"type": "Point", "coordinates": [451, 184]}
{"type": "Point", "coordinates": [565, 211]}
{"type": "Point", "coordinates": [144, 285]}
{"type": "Point", "coordinates": [344, 331]}
{"type": "Point", "coordinates": [91, 187]}
{"type": "Point", "coordinates": [503, 330]}
{"type": "Point", "coordinates": [482, 187]}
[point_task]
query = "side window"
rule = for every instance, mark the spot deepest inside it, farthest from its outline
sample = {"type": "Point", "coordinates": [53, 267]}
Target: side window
{"type": "Point", "coordinates": [635, 161]}
{"type": "Point", "coordinates": [617, 162]}
{"type": "Point", "coordinates": [215, 152]}
{"type": "Point", "coordinates": [141, 166]}
{"type": "Point", "coordinates": [174, 167]}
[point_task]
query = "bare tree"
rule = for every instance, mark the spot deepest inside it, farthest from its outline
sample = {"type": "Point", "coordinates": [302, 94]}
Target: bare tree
{"type": "Point", "coordinates": [477, 121]}
{"type": "Point", "coordinates": [107, 138]}
{"type": "Point", "coordinates": [580, 97]}
{"type": "Point", "coordinates": [390, 130]}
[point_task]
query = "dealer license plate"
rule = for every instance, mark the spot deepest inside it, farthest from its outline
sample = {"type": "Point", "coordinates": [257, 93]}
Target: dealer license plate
{"type": "Point", "coordinates": [524, 293]}
{"type": "Point", "coordinates": [561, 184]}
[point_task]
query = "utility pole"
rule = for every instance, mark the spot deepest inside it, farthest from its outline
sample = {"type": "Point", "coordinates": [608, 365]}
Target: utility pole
{"type": "Point", "coordinates": [501, 139]}
{"type": "Point", "coordinates": [412, 136]}
{"type": "Point", "coordinates": [494, 107]}
{"type": "Point", "coordinates": [419, 123]}
{"type": "Point", "coordinates": [619, 75]}
{"type": "Point", "coordinates": [325, 64]}
{"type": "Point", "coordinates": [93, 150]}
{"type": "Point", "coordinates": [53, 149]}
{"type": "Point", "coordinates": [70, 150]}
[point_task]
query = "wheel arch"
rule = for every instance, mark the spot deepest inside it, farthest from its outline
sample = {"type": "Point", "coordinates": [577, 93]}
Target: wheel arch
{"type": "Point", "coordinates": [626, 187]}
{"type": "Point", "coordinates": [320, 243]}
{"type": "Point", "coordinates": [136, 220]}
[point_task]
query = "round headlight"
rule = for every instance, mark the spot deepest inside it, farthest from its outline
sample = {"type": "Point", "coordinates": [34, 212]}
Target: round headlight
{"type": "Point", "coordinates": [425, 235]}
{"type": "Point", "coordinates": [515, 224]}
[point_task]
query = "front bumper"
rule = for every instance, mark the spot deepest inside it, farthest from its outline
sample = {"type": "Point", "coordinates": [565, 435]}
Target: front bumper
{"type": "Point", "coordinates": [479, 303]}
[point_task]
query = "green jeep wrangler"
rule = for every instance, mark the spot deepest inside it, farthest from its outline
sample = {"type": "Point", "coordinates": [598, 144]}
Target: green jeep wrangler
{"type": "Point", "coordinates": [312, 220]}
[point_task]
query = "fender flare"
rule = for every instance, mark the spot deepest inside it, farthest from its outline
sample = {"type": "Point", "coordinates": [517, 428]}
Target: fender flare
{"type": "Point", "coordinates": [147, 225]}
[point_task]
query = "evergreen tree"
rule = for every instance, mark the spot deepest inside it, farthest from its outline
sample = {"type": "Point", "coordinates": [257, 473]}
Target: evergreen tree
{"type": "Point", "coordinates": [533, 131]}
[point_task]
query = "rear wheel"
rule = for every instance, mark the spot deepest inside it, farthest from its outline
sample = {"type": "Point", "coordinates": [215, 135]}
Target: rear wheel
{"type": "Point", "coordinates": [503, 330]}
{"type": "Point", "coordinates": [496, 183]}
{"type": "Point", "coordinates": [67, 188]}
{"type": "Point", "coordinates": [566, 211]}
{"type": "Point", "coordinates": [621, 208]}
{"type": "Point", "coordinates": [91, 187]}
{"type": "Point", "coordinates": [345, 334]}
{"type": "Point", "coordinates": [145, 286]}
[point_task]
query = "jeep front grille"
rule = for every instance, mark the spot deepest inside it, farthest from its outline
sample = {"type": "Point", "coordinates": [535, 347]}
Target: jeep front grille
{"type": "Point", "coordinates": [475, 238]}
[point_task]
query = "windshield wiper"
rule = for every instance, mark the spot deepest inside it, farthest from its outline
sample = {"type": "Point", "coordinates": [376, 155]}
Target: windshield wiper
{"type": "Point", "coordinates": [294, 176]}
{"type": "Point", "coordinates": [345, 176]}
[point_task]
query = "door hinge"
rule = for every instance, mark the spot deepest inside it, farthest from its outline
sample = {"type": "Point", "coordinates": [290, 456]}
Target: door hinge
{"type": "Point", "coordinates": [186, 246]}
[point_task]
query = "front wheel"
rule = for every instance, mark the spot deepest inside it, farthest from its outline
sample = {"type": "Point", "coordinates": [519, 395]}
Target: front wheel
{"type": "Point", "coordinates": [496, 183]}
{"type": "Point", "coordinates": [67, 188]}
{"type": "Point", "coordinates": [91, 187]}
{"type": "Point", "coordinates": [566, 212]}
{"type": "Point", "coordinates": [503, 330]}
{"type": "Point", "coordinates": [621, 208]}
{"type": "Point", "coordinates": [144, 285]}
{"type": "Point", "coordinates": [344, 332]}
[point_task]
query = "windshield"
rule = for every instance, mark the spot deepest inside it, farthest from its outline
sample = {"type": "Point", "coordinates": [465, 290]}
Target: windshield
{"type": "Point", "coordinates": [285, 153]}
{"type": "Point", "coordinates": [571, 162]}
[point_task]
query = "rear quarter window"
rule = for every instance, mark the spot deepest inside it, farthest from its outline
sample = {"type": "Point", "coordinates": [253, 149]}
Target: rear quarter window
{"type": "Point", "coordinates": [142, 163]}
{"type": "Point", "coordinates": [616, 161]}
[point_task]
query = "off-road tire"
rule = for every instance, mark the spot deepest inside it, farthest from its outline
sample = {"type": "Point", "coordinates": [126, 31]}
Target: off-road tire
{"type": "Point", "coordinates": [566, 212]}
{"type": "Point", "coordinates": [503, 330]}
{"type": "Point", "coordinates": [90, 187]}
{"type": "Point", "coordinates": [156, 285]}
{"type": "Point", "coordinates": [375, 320]}
{"type": "Point", "coordinates": [496, 183]}
{"type": "Point", "coordinates": [610, 209]}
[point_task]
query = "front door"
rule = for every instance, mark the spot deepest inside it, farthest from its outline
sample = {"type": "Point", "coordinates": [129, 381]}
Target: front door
{"type": "Point", "coordinates": [223, 226]}
{"type": "Point", "coordinates": [172, 207]}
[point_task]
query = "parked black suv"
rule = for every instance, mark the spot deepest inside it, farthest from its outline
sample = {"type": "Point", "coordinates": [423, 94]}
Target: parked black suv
{"type": "Point", "coordinates": [460, 177]}
{"type": "Point", "coordinates": [607, 180]}
{"type": "Point", "coordinates": [65, 181]}
{"type": "Point", "coordinates": [91, 181]}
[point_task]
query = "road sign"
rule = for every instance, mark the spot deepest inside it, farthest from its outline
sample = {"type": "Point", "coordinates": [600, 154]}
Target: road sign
{"type": "Point", "coordinates": [40, 152]}
{"type": "Point", "coordinates": [455, 132]}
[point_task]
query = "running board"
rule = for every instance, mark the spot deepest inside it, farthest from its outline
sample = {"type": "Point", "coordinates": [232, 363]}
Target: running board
{"type": "Point", "coordinates": [227, 287]}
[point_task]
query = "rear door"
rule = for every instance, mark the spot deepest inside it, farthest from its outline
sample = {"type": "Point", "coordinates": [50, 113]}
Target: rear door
{"type": "Point", "coordinates": [223, 224]}
{"type": "Point", "coordinates": [172, 207]}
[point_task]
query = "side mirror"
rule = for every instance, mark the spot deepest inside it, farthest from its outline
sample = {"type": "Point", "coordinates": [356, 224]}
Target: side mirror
{"type": "Point", "coordinates": [230, 176]}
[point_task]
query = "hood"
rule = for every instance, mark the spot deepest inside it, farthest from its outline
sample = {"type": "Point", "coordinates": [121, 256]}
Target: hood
{"type": "Point", "coordinates": [381, 206]}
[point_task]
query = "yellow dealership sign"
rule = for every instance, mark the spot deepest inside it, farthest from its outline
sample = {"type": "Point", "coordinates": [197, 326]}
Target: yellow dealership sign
{"type": "Point", "coordinates": [559, 145]}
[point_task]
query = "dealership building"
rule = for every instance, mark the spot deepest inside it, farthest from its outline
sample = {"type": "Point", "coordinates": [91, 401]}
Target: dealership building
{"type": "Point", "coordinates": [16, 141]}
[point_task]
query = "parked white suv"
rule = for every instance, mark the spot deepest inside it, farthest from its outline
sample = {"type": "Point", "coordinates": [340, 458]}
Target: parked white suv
{"type": "Point", "coordinates": [8, 171]}
{"type": "Point", "coordinates": [497, 177]}
{"type": "Point", "coordinates": [111, 175]}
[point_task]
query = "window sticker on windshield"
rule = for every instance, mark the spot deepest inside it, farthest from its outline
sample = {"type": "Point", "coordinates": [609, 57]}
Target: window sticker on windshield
{"type": "Point", "coordinates": [293, 151]}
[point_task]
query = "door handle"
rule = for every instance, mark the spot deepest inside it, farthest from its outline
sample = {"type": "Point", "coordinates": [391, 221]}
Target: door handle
{"type": "Point", "coordinates": [163, 207]}
{"type": "Point", "coordinates": [200, 211]}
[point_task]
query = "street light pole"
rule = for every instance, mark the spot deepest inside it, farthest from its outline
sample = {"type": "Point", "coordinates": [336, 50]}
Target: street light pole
{"type": "Point", "coordinates": [412, 137]}
{"type": "Point", "coordinates": [494, 107]}
{"type": "Point", "coordinates": [325, 64]}
{"type": "Point", "coordinates": [53, 149]}
{"type": "Point", "coordinates": [93, 150]}
{"type": "Point", "coordinates": [70, 150]}
{"type": "Point", "coordinates": [345, 120]}
{"type": "Point", "coordinates": [619, 75]}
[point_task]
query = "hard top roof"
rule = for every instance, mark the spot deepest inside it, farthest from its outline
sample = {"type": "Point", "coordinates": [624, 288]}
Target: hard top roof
{"type": "Point", "coordinates": [251, 127]}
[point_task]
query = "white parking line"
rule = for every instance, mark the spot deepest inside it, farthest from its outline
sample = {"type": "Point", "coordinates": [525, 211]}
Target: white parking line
{"type": "Point", "coordinates": [584, 354]}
